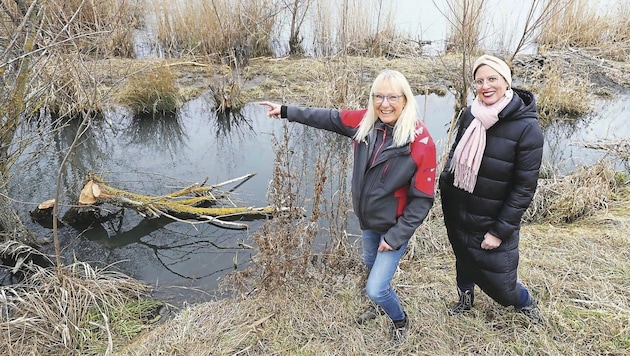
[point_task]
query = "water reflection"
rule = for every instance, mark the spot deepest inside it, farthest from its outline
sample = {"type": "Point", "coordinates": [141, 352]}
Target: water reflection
{"type": "Point", "coordinates": [162, 131]}
{"type": "Point", "coordinates": [232, 123]}
{"type": "Point", "coordinates": [181, 246]}
{"type": "Point", "coordinates": [49, 140]}
{"type": "Point", "coordinates": [152, 155]}
{"type": "Point", "coordinates": [559, 150]}
{"type": "Point", "coordinates": [566, 141]}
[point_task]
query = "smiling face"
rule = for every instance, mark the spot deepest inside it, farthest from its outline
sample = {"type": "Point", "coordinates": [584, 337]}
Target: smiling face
{"type": "Point", "coordinates": [493, 85]}
{"type": "Point", "coordinates": [388, 110]}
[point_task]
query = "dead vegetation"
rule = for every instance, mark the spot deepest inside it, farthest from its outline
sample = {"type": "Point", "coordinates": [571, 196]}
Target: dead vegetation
{"type": "Point", "coordinates": [75, 307]}
{"type": "Point", "coordinates": [580, 25]}
{"type": "Point", "coordinates": [223, 31]}
{"type": "Point", "coordinates": [150, 91]}
{"type": "Point", "coordinates": [299, 300]}
{"type": "Point", "coordinates": [573, 197]}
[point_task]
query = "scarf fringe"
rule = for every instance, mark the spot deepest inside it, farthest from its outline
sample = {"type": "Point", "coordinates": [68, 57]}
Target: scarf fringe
{"type": "Point", "coordinates": [465, 177]}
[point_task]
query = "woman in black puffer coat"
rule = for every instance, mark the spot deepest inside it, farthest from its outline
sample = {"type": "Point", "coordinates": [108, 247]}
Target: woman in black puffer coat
{"type": "Point", "coordinates": [488, 182]}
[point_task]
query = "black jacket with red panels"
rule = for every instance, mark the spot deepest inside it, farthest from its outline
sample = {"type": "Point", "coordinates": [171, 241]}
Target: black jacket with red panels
{"type": "Point", "coordinates": [392, 187]}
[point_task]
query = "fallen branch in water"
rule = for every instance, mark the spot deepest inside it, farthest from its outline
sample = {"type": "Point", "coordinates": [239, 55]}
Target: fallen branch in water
{"type": "Point", "coordinates": [619, 148]}
{"type": "Point", "coordinates": [197, 202]}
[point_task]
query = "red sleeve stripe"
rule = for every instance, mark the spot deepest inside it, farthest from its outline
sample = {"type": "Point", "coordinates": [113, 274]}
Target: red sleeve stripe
{"type": "Point", "coordinates": [352, 118]}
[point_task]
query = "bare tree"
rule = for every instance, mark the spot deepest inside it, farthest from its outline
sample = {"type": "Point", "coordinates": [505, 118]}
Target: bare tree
{"type": "Point", "coordinates": [298, 10]}
{"type": "Point", "coordinates": [540, 12]}
{"type": "Point", "coordinates": [17, 62]}
{"type": "Point", "coordinates": [465, 18]}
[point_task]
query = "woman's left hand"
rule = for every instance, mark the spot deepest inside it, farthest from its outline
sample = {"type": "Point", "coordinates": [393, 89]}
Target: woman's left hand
{"type": "Point", "coordinates": [384, 246]}
{"type": "Point", "coordinates": [490, 242]}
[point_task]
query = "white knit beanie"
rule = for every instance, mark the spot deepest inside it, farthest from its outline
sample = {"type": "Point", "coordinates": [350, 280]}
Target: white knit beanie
{"type": "Point", "coordinates": [496, 64]}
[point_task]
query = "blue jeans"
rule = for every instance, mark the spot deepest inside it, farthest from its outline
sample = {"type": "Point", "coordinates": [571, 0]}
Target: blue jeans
{"type": "Point", "coordinates": [382, 266]}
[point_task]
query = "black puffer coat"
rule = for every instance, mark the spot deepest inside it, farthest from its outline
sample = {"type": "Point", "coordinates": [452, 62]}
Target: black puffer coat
{"type": "Point", "coordinates": [506, 183]}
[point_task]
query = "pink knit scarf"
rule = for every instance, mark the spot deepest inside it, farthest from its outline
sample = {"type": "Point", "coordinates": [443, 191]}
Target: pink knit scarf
{"type": "Point", "coordinates": [469, 151]}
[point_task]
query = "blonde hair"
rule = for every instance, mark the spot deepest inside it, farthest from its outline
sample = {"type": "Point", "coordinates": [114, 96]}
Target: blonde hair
{"type": "Point", "coordinates": [405, 127]}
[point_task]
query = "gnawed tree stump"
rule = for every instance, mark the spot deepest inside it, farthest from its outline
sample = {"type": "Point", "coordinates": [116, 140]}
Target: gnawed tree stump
{"type": "Point", "coordinates": [43, 214]}
{"type": "Point", "coordinates": [196, 202]}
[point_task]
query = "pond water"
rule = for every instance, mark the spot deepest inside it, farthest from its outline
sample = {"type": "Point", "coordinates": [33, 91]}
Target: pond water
{"type": "Point", "coordinates": [153, 156]}
{"type": "Point", "coordinates": [185, 263]}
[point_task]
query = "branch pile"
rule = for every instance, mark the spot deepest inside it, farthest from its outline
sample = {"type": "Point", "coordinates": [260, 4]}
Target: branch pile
{"type": "Point", "coordinates": [197, 201]}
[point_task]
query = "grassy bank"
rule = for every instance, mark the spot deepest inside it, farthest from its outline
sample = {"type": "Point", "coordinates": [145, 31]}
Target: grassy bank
{"type": "Point", "coordinates": [578, 272]}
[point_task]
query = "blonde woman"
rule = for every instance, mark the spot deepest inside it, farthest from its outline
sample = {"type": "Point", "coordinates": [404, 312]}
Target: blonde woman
{"type": "Point", "coordinates": [392, 181]}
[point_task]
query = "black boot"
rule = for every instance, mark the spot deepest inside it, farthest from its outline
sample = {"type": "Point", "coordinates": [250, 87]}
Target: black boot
{"type": "Point", "coordinates": [399, 330]}
{"type": "Point", "coordinates": [466, 299]}
{"type": "Point", "coordinates": [532, 311]}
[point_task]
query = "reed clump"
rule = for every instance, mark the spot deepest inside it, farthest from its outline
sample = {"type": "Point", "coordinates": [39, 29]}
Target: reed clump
{"type": "Point", "coordinates": [227, 93]}
{"type": "Point", "coordinates": [99, 28]}
{"type": "Point", "coordinates": [566, 199]}
{"type": "Point", "coordinates": [364, 28]}
{"type": "Point", "coordinates": [73, 88]}
{"type": "Point", "coordinates": [228, 32]}
{"type": "Point", "coordinates": [150, 91]}
{"type": "Point", "coordinates": [73, 309]}
{"type": "Point", "coordinates": [581, 25]}
{"type": "Point", "coordinates": [560, 96]}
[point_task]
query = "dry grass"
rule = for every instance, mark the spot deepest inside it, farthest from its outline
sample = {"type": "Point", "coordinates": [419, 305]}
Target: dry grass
{"type": "Point", "coordinates": [227, 92]}
{"type": "Point", "coordinates": [228, 32]}
{"type": "Point", "coordinates": [581, 25]}
{"type": "Point", "coordinates": [76, 308]}
{"type": "Point", "coordinates": [364, 28]}
{"type": "Point", "coordinates": [100, 28]}
{"type": "Point", "coordinates": [566, 199]}
{"type": "Point", "coordinates": [340, 81]}
{"type": "Point", "coordinates": [561, 96]}
{"type": "Point", "coordinates": [300, 301]}
{"type": "Point", "coordinates": [73, 86]}
{"type": "Point", "coordinates": [617, 150]}
{"type": "Point", "coordinates": [150, 91]}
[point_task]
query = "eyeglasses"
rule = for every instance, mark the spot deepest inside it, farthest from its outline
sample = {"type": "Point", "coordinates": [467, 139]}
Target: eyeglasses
{"type": "Point", "coordinates": [478, 83]}
{"type": "Point", "coordinates": [392, 99]}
